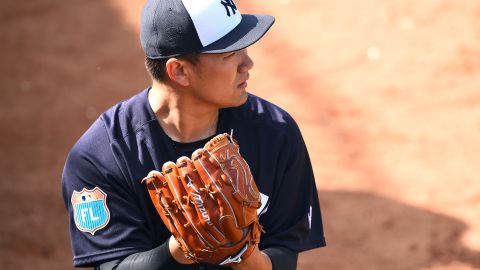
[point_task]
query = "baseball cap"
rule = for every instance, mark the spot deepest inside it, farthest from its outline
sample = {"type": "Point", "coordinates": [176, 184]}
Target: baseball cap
{"type": "Point", "coordinates": [174, 27]}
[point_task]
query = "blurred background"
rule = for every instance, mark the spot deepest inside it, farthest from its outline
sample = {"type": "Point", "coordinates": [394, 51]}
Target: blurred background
{"type": "Point", "coordinates": [386, 94]}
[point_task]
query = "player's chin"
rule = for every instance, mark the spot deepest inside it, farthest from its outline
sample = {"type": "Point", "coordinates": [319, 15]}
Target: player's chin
{"type": "Point", "coordinates": [238, 100]}
{"type": "Point", "coordinates": [242, 98]}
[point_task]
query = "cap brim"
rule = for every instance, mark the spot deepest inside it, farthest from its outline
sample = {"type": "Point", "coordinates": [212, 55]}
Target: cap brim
{"type": "Point", "coordinates": [248, 31]}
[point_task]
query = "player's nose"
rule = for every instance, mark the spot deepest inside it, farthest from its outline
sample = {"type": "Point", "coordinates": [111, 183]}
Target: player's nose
{"type": "Point", "coordinates": [246, 63]}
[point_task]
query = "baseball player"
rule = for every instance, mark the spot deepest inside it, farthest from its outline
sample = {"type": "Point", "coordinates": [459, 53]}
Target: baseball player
{"type": "Point", "coordinates": [196, 55]}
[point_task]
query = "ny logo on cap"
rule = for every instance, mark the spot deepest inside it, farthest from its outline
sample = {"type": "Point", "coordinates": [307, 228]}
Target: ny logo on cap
{"type": "Point", "coordinates": [229, 4]}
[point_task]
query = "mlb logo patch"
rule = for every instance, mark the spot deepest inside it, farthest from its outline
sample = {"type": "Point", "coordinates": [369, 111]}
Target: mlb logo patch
{"type": "Point", "coordinates": [90, 210]}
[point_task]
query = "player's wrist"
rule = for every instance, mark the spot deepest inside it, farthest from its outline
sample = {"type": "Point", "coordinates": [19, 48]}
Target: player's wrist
{"type": "Point", "coordinates": [176, 251]}
{"type": "Point", "coordinates": [256, 260]}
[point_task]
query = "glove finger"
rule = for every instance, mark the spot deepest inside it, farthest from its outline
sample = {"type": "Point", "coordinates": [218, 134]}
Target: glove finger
{"type": "Point", "coordinates": [164, 204]}
{"type": "Point", "coordinates": [211, 174]}
{"type": "Point", "coordinates": [183, 201]}
{"type": "Point", "coordinates": [155, 181]}
{"type": "Point", "coordinates": [205, 206]}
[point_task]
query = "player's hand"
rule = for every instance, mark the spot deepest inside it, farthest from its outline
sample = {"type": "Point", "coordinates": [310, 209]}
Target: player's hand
{"type": "Point", "coordinates": [177, 252]}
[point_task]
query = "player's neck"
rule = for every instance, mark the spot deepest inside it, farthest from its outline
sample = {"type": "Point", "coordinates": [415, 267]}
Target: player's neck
{"type": "Point", "coordinates": [179, 117]}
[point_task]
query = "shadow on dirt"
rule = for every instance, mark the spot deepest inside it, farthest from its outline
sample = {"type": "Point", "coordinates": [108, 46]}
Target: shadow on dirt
{"type": "Point", "coordinates": [363, 230]}
{"type": "Point", "coordinates": [367, 231]}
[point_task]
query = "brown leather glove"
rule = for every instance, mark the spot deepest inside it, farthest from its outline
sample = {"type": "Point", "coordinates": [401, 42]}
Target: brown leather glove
{"type": "Point", "coordinates": [209, 203]}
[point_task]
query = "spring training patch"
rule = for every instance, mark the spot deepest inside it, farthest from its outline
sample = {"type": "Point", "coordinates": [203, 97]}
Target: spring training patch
{"type": "Point", "coordinates": [90, 210]}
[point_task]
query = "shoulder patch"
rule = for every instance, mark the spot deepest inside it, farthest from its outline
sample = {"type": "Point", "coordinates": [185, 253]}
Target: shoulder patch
{"type": "Point", "coordinates": [90, 209]}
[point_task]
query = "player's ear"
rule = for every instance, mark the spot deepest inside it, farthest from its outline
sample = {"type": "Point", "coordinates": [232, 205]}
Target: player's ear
{"type": "Point", "coordinates": [177, 71]}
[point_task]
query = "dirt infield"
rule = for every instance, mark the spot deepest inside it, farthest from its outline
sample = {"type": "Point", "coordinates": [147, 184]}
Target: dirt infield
{"type": "Point", "coordinates": [386, 94]}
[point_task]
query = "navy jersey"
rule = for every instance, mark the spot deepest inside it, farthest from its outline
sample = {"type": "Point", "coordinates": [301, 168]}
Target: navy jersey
{"type": "Point", "coordinates": [111, 214]}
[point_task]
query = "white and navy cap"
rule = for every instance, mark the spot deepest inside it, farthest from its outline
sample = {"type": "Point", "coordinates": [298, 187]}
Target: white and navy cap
{"type": "Point", "coordinates": [174, 27]}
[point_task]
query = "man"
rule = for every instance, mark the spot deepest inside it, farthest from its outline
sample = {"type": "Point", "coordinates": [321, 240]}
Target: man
{"type": "Point", "coordinates": [196, 55]}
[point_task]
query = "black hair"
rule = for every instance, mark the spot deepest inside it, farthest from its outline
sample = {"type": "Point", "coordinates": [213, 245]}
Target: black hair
{"type": "Point", "coordinates": [156, 67]}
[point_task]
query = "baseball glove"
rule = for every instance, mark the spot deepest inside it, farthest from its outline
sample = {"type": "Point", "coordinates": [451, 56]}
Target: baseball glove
{"type": "Point", "coordinates": [209, 203]}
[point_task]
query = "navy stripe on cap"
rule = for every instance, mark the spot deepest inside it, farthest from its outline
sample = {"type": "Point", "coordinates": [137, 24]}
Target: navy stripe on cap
{"type": "Point", "coordinates": [166, 30]}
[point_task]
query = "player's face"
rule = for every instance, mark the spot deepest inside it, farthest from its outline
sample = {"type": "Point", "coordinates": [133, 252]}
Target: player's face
{"type": "Point", "coordinates": [220, 80]}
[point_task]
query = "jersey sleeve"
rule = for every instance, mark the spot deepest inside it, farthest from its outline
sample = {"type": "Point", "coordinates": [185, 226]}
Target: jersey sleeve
{"type": "Point", "coordinates": [293, 219]}
{"type": "Point", "coordinates": [104, 218]}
